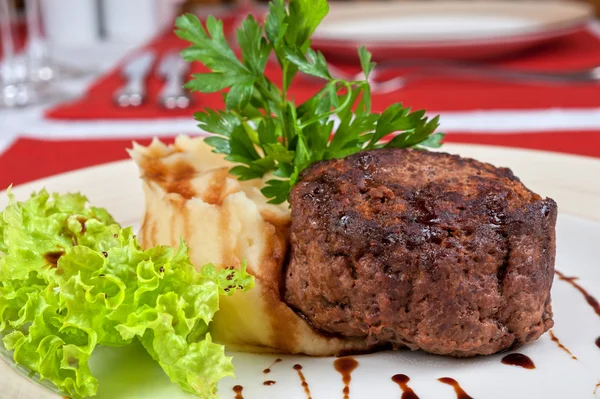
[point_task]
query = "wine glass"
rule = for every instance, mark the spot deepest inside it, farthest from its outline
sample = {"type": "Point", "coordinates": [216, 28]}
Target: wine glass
{"type": "Point", "coordinates": [31, 76]}
{"type": "Point", "coordinates": [17, 89]}
{"type": "Point", "coordinates": [36, 49]}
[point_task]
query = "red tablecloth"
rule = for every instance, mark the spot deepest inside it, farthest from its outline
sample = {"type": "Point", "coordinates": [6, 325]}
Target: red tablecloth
{"type": "Point", "coordinates": [577, 51]}
{"type": "Point", "coordinates": [29, 158]}
{"type": "Point", "coordinates": [32, 158]}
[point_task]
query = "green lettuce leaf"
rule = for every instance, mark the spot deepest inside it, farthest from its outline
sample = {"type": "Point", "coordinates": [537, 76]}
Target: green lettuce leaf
{"type": "Point", "coordinates": [72, 279]}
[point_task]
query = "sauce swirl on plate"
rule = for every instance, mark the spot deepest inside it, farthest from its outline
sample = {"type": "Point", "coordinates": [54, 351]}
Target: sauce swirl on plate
{"type": "Point", "coordinates": [268, 369]}
{"type": "Point", "coordinates": [518, 359]}
{"type": "Point", "coordinates": [593, 302]}
{"type": "Point", "coordinates": [238, 391]}
{"type": "Point", "coordinates": [402, 381]}
{"type": "Point", "coordinates": [345, 366]}
{"type": "Point", "coordinates": [298, 369]}
{"type": "Point", "coordinates": [560, 345]}
{"type": "Point", "coordinates": [460, 393]}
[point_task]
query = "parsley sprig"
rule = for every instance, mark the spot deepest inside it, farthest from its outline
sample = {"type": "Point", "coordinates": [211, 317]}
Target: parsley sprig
{"type": "Point", "coordinates": [261, 128]}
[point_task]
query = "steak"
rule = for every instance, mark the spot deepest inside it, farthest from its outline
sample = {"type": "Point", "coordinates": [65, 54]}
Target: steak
{"type": "Point", "coordinates": [418, 249]}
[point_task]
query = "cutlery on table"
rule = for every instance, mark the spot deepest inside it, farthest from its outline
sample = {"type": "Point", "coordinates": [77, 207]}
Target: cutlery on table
{"type": "Point", "coordinates": [135, 71]}
{"type": "Point", "coordinates": [464, 70]}
{"type": "Point", "coordinates": [173, 69]}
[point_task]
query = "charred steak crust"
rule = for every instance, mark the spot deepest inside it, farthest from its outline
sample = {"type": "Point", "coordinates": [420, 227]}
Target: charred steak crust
{"type": "Point", "coordinates": [421, 249]}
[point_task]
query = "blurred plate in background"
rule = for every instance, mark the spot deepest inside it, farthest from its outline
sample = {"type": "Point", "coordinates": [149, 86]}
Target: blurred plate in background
{"type": "Point", "coordinates": [446, 29]}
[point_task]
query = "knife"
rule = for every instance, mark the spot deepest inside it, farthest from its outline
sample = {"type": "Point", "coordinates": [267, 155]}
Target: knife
{"type": "Point", "coordinates": [135, 71]}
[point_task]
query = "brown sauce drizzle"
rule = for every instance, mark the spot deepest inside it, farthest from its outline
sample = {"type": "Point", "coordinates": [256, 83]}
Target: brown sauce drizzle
{"type": "Point", "coordinates": [268, 369]}
{"type": "Point", "coordinates": [173, 178]}
{"type": "Point", "coordinates": [53, 257]}
{"type": "Point", "coordinates": [593, 302]}
{"type": "Point", "coordinates": [238, 391]}
{"type": "Point", "coordinates": [560, 345]}
{"type": "Point", "coordinates": [402, 381]}
{"type": "Point", "coordinates": [518, 359]}
{"type": "Point", "coordinates": [345, 366]}
{"type": "Point", "coordinates": [216, 191]}
{"type": "Point", "coordinates": [82, 221]}
{"type": "Point", "coordinates": [298, 369]}
{"type": "Point", "coordinates": [460, 393]}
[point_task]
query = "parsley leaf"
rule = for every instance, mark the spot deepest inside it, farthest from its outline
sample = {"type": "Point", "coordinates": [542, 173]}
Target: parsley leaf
{"type": "Point", "coordinates": [365, 61]}
{"type": "Point", "coordinates": [266, 132]}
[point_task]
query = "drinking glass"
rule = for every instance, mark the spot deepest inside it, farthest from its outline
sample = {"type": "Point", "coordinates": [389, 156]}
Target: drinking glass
{"type": "Point", "coordinates": [17, 89]}
{"type": "Point", "coordinates": [30, 76]}
{"type": "Point", "coordinates": [36, 48]}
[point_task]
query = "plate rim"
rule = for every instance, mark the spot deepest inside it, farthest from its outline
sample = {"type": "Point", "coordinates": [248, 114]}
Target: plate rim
{"type": "Point", "coordinates": [522, 38]}
{"type": "Point", "coordinates": [542, 31]}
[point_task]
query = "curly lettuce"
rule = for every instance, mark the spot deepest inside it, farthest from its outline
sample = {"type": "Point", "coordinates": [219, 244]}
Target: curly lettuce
{"type": "Point", "coordinates": [72, 279]}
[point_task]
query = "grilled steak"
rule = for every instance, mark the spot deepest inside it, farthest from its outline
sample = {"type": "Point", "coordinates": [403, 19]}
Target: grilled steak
{"type": "Point", "coordinates": [421, 249]}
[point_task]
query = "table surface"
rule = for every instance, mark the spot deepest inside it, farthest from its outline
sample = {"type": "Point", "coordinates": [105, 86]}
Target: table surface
{"type": "Point", "coordinates": [30, 122]}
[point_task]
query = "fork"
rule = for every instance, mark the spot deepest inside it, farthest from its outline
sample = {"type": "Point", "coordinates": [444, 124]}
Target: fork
{"type": "Point", "coordinates": [464, 70]}
{"type": "Point", "coordinates": [135, 71]}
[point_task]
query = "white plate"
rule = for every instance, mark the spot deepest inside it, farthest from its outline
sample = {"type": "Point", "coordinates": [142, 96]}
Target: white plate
{"type": "Point", "coordinates": [574, 182]}
{"type": "Point", "coordinates": [446, 29]}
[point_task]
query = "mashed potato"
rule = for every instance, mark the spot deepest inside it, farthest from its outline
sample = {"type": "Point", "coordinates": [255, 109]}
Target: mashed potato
{"type": "Point", "coordinates": [189, 193]}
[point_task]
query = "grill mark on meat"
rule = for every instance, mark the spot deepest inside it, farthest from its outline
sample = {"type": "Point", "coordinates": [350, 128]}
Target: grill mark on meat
{"type": "Point", "coordinates": [409, 295]}
{"type": "Point", "coordinates": [501, 273]}
{"type": "Point", "coordinates": [353, 269]}
{"type": "Point", "coordinates": [287, 253]}
{"type": "Point", "coordinates": [503, 269]}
